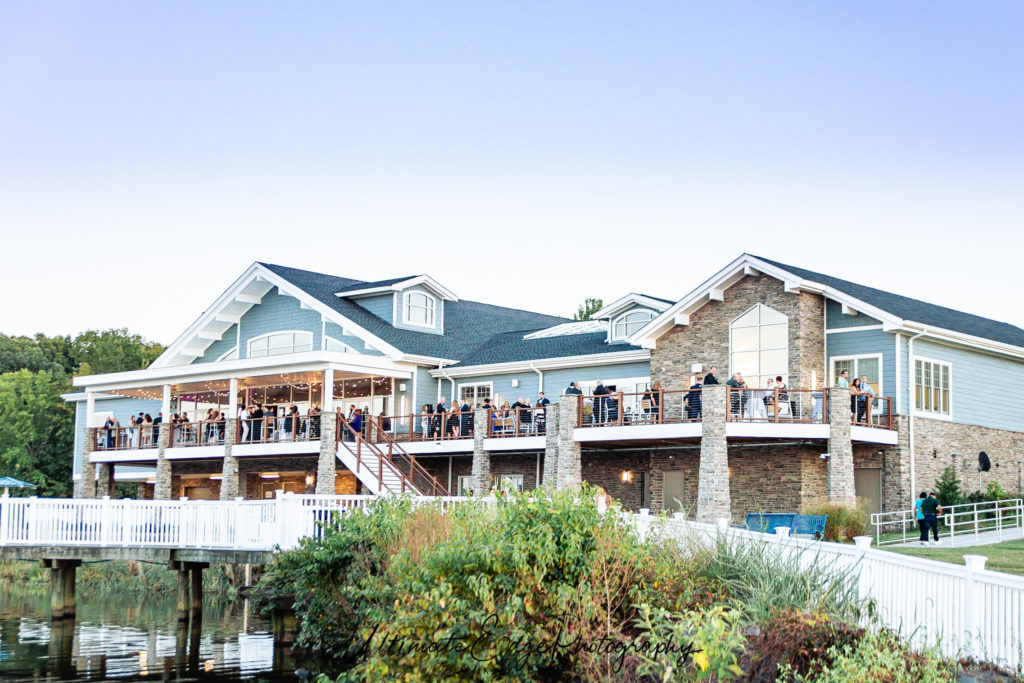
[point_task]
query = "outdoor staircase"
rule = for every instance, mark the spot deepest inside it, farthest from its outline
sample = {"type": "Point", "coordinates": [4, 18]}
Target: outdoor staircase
{"type": "Point", "coordinates": [381, 464]}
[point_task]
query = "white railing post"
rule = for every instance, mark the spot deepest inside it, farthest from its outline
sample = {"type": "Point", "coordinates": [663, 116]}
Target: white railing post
{"type": "Point", "coordinates": [862, 542]}
{"type": "Point", "coordinates": [279, 518]}
{"type": "Point", "coordinates": [30, 514]}
{"type": "Point", "coordinates": [105, 521]}
{"type": "Point", "coordinates": [236, 509]}
{"type": "Point", "coordinates": [723, 525]}
{"type": "Point", "coordinates": [975, 564]}
{"type": "Point", "coordinates": [5, 517]}
{"type": "Point", "coordinates": [182, 535]}
{"type": "Point", "coordinates": [782, 532]}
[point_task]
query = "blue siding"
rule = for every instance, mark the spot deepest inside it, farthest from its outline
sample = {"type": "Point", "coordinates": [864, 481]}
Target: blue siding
{"type": "Point", "coordinates": [382, 306]}
{"type": "Point", "coordinates": [905, 379]}
{"type": "Point", "coordinates": [834, 318]}
{"type": "Point", "coordinates": [438, 327]}
{"type": "Point", "coordinates": [867, 342]}
{"type": "Point", "coordinates": [986, 389]}
{"type": "Point", "coordinates": [426, 389]}
{"type": "Point", "coordinates": [352, 341]}
{"type": "Point", "coordinates": [276, 312]}
{"type": "Point", "coordinates": [218, 348]}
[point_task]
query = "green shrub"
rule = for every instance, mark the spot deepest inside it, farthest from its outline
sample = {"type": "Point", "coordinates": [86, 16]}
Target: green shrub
{"type": "Point", "coordinates": [947, 487]}
{"type": "Point", "coordinates": [876, 657]}
{"type": "Point", "coordinates": [799, 640]}
{"type": "Point", "coordinates": [842, 523]}
{"type": "Point", "coordinates": [714, 637]}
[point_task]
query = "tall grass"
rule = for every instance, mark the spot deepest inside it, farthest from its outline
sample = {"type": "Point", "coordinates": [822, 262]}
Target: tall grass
{"type": "Point", "coordinates": [762, 581]}
{"type": "Point", "coordinates": [841, 523]}
{"type": "Point", "coordinates": [121, 577]}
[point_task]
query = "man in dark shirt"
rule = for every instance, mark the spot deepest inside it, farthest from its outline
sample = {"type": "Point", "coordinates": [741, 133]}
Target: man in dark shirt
{"type": "Point", "coordinates": [573, 389]}
{"type": "Point", "coordinates": [711, 377]}
{"type": "Point", "coordinates": [931, 509]}
{"type": "Point", "coordinates": [600, 403]}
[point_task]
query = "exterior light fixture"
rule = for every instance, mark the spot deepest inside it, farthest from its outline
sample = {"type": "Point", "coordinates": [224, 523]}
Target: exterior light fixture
{"type": "Point", "coordinates": [270, 475]}
{"type": "Point", "coordinates": [216, 477]}
{"type": "Point", "coordinates": [309, 480]}
{"type": "Point", "coordinates": [627, 476]}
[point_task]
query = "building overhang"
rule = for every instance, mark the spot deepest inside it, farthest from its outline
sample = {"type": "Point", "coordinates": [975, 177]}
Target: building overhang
{"type": "Point", "coordinates": [425, 281]}
{"type": "Point", "coordinates": [629, 301]}
{"type": "Point", "coordinates": [589, 360]}
{"type": "Point", "coordinates": [292, 363]}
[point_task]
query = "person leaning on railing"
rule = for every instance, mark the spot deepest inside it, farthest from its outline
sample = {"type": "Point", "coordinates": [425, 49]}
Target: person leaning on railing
{"type": "Point", "coordinates": [867, 394]}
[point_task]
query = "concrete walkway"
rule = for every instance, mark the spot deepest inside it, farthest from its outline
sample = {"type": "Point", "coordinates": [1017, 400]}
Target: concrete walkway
{"type": "Point", "coordinates": [965, 539]}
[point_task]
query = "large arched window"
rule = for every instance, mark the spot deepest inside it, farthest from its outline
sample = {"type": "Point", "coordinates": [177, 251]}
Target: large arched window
{"type": "Point", "coordinates": [418, 309]}
{"type": "Point", "coordinates": [630, 323]}
{"type": "Point", "coordinates": [759, 346]}
{"type": "Point", "coordinates": [280, 343]}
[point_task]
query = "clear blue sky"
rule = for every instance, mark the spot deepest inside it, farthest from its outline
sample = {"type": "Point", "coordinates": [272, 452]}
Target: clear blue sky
{"type": "Point", "coordinates": [525, 154]}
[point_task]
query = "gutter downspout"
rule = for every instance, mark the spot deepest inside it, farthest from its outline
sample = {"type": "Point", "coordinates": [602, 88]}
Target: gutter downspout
{"type": "Point", "coordinates": [910, 410]}
{"type": "Point", "coordinates": [540, 377]}
{"type": "Point", "coordinates": [440, 369]}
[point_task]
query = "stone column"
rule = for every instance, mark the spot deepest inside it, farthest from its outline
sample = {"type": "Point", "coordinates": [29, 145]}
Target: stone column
{"type": "Point", "coordinates": [327, 465]}
{"type": "Point", "coordinates": [569, 470]}
{"type": "Point", "coordinates": [162, 488]}
{"type": "Point", "coordinates": [480, 481]}
{"type": "Point", "coordinates": [105, 483]}
{"type": "Point", "coordinates": [714, 500]}
{"type": "Point", "coordinates": [85, 487]}
{"type": "Point", "coordinates": [229, 468]}
{"type": "Point", "coordinates": [550, 475]}
{"type": "Point", "coordinates": [839, 488]}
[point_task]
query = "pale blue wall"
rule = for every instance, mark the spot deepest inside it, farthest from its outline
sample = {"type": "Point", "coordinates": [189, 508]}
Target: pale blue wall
{"type": "Point", "coordinates": [355, 343]}
{"type": "Point", "coordinates": [834, 318]}
{"type": "Point", "coordinates": [866, 342]}
{"type": "Point", "coordinates": [276, 312]}
{"type": "Point", "coordinates": [986, 389]}
{"type": "Point", "coordinates": [218, 348]}
{"type": "Point", "coordinates": [438, 327]}
{"type": "Point", "coordinates": [382, 306]}
{"type": "Point", "coordinates": [122, 408]}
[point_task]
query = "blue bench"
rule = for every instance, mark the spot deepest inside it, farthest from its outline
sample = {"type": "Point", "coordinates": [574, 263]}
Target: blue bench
{"type": "Point", "coordinates": [811, 525]}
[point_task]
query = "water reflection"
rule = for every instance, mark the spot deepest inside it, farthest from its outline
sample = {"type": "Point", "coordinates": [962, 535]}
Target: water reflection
{"type": "Point", "coordinates": [128, 637]}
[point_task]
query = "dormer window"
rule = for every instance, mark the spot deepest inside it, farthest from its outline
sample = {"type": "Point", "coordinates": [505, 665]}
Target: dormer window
{"type": "Point", "coordinates": [419, 309]}
{"type": "Point", "coordinates": [630, 323]}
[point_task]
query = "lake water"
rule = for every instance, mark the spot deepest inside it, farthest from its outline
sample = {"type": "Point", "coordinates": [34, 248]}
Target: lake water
{"type": "Point", "coordinates": [135, 637]}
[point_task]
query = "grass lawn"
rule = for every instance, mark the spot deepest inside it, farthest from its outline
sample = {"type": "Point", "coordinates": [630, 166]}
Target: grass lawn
{"type": "Point", "coordinates": [1007, 556]}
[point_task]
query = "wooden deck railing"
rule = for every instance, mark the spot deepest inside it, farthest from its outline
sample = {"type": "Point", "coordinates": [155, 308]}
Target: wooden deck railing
{"type": "Point", "coordinates": [658, 406]}
{"type": "Point", "coordinates": [126, 438]}
{"type": "Point", "coordinates": [807, 406]}
{"type": "Point", "coordinates": [531, 421]}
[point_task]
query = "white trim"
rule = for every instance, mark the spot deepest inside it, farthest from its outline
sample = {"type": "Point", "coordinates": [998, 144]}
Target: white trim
{"type": "Point", "coordinates": [588, 360]}
{"type": "Point", "coordinates": [899, 377]}
{"type": "Point", "coordinates": [514, 443]}
{"type": "Point", "coordinates": [296, 362]}
{"type": "Point", "coordinates": [862, 434]}
{"type": "Point", "coordinates": [347, 349]}
{"type": "Point", "coordinates": [224, 356]}
{"type": "Point", "coordinates": [423, 280]}
{"type": "Point", "coordinates": [267, 335]}
{"type": "Point", "coordinates": [880, 357]}
{"type": "Point", "coordinates": [928, 414]}
{"type": "Point", "coordinates": [633, 311]}
{"type": "Point", "coordinates": [623, 303]}
{"type": "Point", "coordinates": [840, 330]}
{"type": "Point", "coordinates": [434, 305]}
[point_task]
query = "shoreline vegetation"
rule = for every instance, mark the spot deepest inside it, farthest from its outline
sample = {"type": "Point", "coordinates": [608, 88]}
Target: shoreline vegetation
{"type": "Point", "coordinates": [129, 576]}
{"type": "Point", "coordinates": [543, 587]}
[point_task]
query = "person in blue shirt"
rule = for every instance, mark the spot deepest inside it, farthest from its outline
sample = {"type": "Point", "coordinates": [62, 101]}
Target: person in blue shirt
{"type": "Point", "coordinates": [920, 518]}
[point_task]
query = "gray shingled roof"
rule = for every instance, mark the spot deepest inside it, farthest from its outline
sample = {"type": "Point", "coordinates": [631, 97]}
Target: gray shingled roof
{"type": "Point", "coordinates": [468, 325]}
{"type": "Point", "coordinates": [914, 310]}
{"type": "Point", "coordinates": [370, 285]}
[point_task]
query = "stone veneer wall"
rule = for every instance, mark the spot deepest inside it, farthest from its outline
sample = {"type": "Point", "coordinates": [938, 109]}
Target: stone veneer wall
{"type": "Point", "coordinates": [605, 468]}
{"type": "Point", "coordinates": [935, 442]}
{"type": "Point", "coordinates": [706, 339]}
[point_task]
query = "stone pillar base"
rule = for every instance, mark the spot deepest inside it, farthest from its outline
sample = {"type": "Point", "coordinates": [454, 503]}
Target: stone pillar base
{"type": "Point", "coordinates": [569, 469]}
{"type": "Point", "coordinates": [327, 465]}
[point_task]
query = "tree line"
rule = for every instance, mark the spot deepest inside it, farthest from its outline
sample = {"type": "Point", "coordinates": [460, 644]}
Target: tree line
{"type": "Point", "coordinates": [36, 424]}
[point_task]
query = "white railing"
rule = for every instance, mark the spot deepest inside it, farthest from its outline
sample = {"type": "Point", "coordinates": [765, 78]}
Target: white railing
{"type": "Point", "coordinates": [257, 525]}
{"type": "Point", "coordinates": [962, 609]}
{"type": "Point", "coordinates": [998, 517]}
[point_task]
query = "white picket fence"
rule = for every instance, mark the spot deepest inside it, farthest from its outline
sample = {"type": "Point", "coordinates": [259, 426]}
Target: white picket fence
{"type": "Point", "coordinates": [962, 609]}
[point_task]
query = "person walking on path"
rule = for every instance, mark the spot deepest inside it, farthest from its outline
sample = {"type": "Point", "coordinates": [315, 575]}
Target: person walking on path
{"type": "Point", "coordinates": [931, 509]}
{"type": "Point", "coordinates": [920, 518]}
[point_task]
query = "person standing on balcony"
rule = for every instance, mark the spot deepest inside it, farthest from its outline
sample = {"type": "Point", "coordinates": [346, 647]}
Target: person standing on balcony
{"type": "Point", "coordinates": [385, 422]}
{"type": "Point", "coordinates": [257, 422]}
{"type": "Point", "coordinates": [844, 380]}
{"type": "Point", "coordinates": [467, 418]}
{"type": "Point", "coordinates": [600, 405]}
{"type": "Point", "coordinates": [712, 376]}
{"type": "Point", "coordinates": [111, 429]}
{"type": "Point", "coordinates": [855, 398]}
{"type": "Point", "coordinates": [542, 413]}
{"type": "Point", "coordinates": [243, 419]}
{"type": "Point", "coordinates": [357, 425]}
{"type": "Point", "coordinates": [737, 397]}
{"type": "Point", "coordinates": [574, 389]}
{"type": "Point", "coordinates": [425, 420]}
{"type": "Point", "coordinates": [864, 400]}
{"type": "Point", "coordinates": [931, 509]}
{"type": "Point", "coordinates": [314, 421]}
{"type": "Point", "coordinates": [439, 423]}
{"type": "Point", "coordinates": [693, 407]}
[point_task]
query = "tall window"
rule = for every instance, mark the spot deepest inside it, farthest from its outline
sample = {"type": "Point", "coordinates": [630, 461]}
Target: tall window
{"type": "Point", "coordinates": [759, 345]}
{"type": "Point", "coordinates": [862, 365]}
{"type": "Point", "coordinates": [464, 486]}
{"type": "Point", "coordinates": [418, 309]}
{"type": "Point", "coordinates": [280, 343]}
{"type": "Point", "coordinates": [630, 323]}
{"type": "Point", "coordinates": [475, 393]}
{"type": "Point", "coordinates": [931, 387]}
